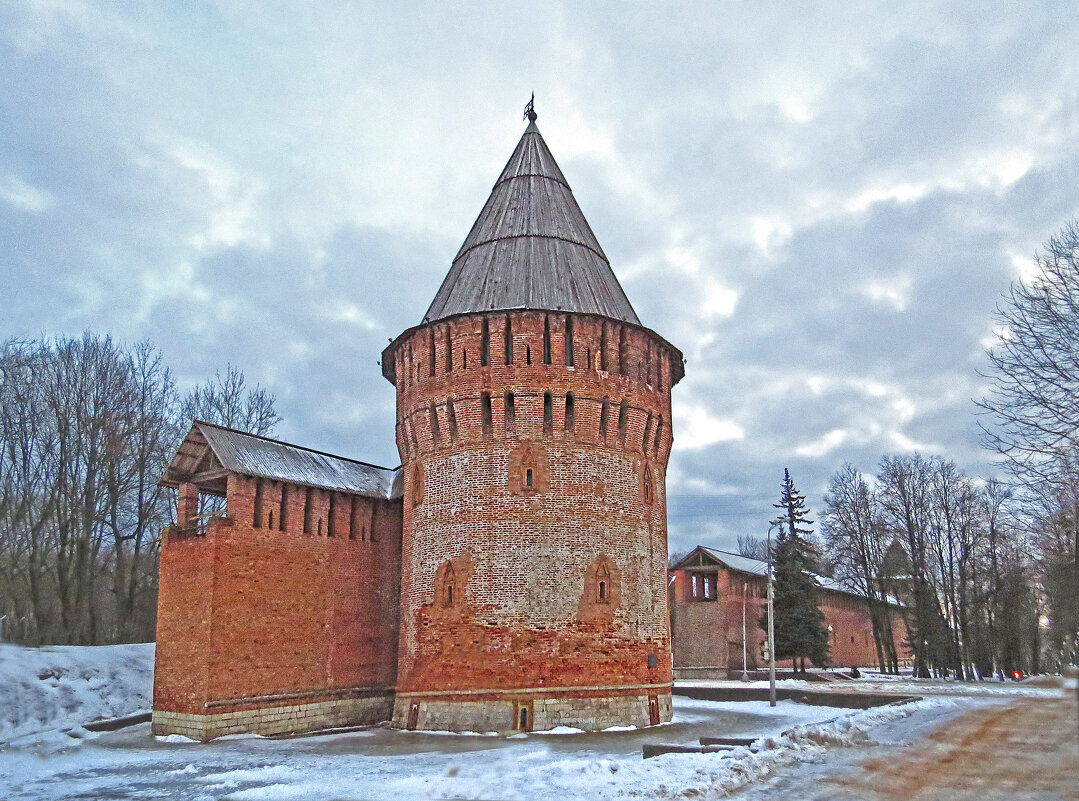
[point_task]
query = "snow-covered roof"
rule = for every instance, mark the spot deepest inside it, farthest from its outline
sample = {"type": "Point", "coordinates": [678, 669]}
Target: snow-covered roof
{"type": "Point", "coordinates": [738, 562]}
{"type": "Point", "coordinates": [758, 567]}
{"type": "Point", "coordinates": [210, 447]}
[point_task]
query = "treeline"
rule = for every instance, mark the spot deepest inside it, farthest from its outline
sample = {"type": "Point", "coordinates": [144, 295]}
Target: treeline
{"type": "Point", "coordinates": [952, 550]}
{"type": "Point", "coordinates": [87, 426]}
{"type": "Point", "coordinates": [989, 570]}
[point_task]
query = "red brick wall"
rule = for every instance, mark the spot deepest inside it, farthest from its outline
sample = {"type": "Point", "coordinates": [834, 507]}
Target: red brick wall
{"type": "Point", "coordinates": [709, 633]}
{"type": "Point", "coordinates": [247, 611]}
{"type": "Point", "coordinates": [526, 559]}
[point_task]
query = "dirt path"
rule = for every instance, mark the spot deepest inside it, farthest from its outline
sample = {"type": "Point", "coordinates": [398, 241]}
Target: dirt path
{"type": "Point", "coordinates": [1026, 750]}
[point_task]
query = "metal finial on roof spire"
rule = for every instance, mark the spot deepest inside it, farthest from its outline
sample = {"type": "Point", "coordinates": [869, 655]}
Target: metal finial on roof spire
{"type": "Point", "coordinates": [530, 111]}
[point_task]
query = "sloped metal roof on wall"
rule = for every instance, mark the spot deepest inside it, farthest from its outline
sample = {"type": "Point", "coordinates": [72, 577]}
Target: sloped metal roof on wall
{"type": "Point", "coordinates": [531, 248]}
{"type": "Point", "coordinates": [250, 455]}
{"type": "Point", "coordinates": [756, 567]}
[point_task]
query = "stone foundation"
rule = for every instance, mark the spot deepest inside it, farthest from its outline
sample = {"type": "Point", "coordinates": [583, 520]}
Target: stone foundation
{"type": "Point", "coordinates": [283, 719]}
{"type": "Point", "coordinates": [531, 710]}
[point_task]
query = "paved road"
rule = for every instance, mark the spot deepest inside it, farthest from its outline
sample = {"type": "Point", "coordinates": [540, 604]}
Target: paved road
{"type": "Point", "coordinates": [1028, 749]}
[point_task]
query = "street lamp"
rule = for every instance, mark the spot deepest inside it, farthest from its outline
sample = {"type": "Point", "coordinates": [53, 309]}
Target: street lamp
{"type": "Point", "coordinates": [771, 624]}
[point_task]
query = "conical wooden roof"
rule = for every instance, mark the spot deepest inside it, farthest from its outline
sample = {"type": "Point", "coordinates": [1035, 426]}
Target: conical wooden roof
{"type": "Point", "coordinates": [531, 248]}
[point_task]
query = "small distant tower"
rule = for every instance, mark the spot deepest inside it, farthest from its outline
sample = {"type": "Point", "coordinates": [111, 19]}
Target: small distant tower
{"type": "Point", "coordinates": [534, 426]}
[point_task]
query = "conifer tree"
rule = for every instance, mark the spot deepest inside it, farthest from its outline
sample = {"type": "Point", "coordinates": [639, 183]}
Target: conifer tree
{"type": "Point", "coordinates": [800, 632]}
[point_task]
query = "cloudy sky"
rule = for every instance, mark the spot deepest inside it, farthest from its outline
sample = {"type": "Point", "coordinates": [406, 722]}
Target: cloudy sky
{"type": "Point", "coordinates": [820, 209]}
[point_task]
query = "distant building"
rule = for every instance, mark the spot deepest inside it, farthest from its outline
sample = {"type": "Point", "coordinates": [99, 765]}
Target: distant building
{"type": "Point", "coordinates": [509, 575]}
{"type": "Point", "coordinates": [709, 589]}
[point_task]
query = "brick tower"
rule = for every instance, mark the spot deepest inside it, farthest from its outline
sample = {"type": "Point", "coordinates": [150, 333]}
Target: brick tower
{"type": "Point", "coordinates": [534, 426]}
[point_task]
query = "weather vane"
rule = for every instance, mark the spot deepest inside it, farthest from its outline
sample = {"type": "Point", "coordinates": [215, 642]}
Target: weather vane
{"type": "Point", "coordinates": [530, 111]}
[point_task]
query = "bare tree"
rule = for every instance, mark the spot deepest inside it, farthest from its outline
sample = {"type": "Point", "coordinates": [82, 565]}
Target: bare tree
{"type": "Point", "coordinates": [753, 547]}
{"type": "Point", "coordinates": [1033, 413]}
{"type": "Point", "coordinates": [1034, 403]}
{"type": "Point", "coordinates": [227, 401]}
{"type": "Point", "coordinates": [856, 541]}
{"type": "Point", "coordinates": [87, 427]}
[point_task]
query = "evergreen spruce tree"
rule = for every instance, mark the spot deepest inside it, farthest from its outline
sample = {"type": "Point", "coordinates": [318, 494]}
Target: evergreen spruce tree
{"type": "Point", "coordinates": [800, 632]}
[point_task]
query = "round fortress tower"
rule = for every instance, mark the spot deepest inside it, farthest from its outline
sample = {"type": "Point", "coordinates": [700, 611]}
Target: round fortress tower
{"type": "Point", "coordinates": [534, 426]}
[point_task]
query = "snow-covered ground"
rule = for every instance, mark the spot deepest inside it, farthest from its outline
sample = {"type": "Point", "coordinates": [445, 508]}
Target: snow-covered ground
{"type": "Point", "coordinates": [45, 690]}
{"type": "Point", "coordinates": [898, 685]}
{"type": "Point", "coordinates": [387, 764]}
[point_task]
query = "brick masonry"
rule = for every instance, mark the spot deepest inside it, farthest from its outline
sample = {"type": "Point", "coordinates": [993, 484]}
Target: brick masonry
{"type": "Point", "coordinates": [248, 614]}
{"type": "Point", "coordinates": [535, 545]}
{"type": "Point", "coordinates": [523, 567]}
{"type": "Point", "coordinates": [707, 634]}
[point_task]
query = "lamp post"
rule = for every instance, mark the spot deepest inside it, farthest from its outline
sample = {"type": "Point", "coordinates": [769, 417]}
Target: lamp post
{"type": "Point", "coordinates": [771, 625]}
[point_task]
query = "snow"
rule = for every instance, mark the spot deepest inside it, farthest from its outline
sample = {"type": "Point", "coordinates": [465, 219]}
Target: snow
{"type": "Point", "coordinates": [896, 685]}
{"type": "Point", "coordinates": [380, 763]}
{"type": "Point", "coordinates": [44, 691]}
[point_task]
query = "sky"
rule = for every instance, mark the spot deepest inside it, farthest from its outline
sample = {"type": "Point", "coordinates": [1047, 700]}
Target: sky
{"type": "Point", "coordinates": [821, 208]}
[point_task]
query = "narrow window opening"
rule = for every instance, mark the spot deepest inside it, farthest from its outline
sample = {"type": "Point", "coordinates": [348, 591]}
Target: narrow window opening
{"type": "Point", "coordinates": [331, 523]}
{"type": "Point", "coordinates": [464, 359]}
{"type": "Point", "coordinates": [546, 339]}
{"type": "Point", "coordinates": [507, 340]}
{"type": "Point", "coordinates": [352, 518]}
{"type": "Point", "coordinates": [257, 522]}
{"type": "Point", "coordinates": [528, 354]}
{"type": "Point", "coordinates": [451, 413]}
{"type": "Point", "coordinates": [485, 412]}
{"type": "Point", "coordinates": [282, 515]}
{"type": "Point", "coordinates": [657, 437]}
{"type": "Point", "coordinates": [431, 350]}
{"type": "Point", "coordinates": [485, 344]}
{"type": "Point", "coordinates": [436, 432]}
{"type": "Point", "coordinates": [449, 581]}
{"type": "Point", "coordinates": [623, 417]}
{"type": "Point", "coordinates": [604, 417]}
{"type": "Point", "coordinates": [603, 348]}
{"type": "Point", "coordinates": [449, 350]}
{"type": "Point", "coordinates": [603, 584]}
{"type": "Point", "coordinates": [307, 511]}
{"type": "Point", "coordinates": [649, 486]}
{"type": "Point", "coordinates": [587, 358]}
{"type": "Point", "coordinates": [320, 526]}
{"type": "Point", "coordinates": [648, 364]}
{"type": "Point", "coordinates": [568, 341]}
{"type": "Point", "coordinates": [511, 412]}
{"type": "Point", "coordinates": [529, 479]}
{"type": "Point", "coordinates": [548, 413]}
{"type": "Point", "coordinates": [570, 412]}
{"type": "Point", "coordinates": [623, 352]}
{"type": "Point", "coordinates": [647, 433]}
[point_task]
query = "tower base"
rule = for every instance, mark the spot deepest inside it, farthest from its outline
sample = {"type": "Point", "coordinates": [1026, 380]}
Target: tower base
{"type": "Point", "coordinates": [538, 709]}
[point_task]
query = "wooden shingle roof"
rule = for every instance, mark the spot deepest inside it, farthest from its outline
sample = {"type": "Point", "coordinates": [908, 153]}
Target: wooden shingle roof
{"type": "Point", "coordinates": [531, 248]}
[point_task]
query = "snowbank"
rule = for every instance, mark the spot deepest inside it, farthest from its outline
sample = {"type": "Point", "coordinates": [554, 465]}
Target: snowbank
{"type": "Point", "coordinates": [47, 690]}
